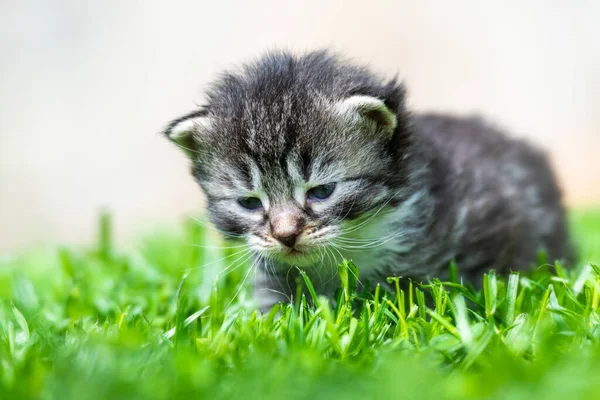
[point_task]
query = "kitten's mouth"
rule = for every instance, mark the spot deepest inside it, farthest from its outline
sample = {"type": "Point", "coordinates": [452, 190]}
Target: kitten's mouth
{"type": "Point", "coordinates": [293, 256]}
{"type": "Point", "coordinates": [293, 252]}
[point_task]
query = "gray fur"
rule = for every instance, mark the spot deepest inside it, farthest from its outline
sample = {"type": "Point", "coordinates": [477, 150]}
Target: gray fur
{"type": "Point", "coordinates": [412, 193]}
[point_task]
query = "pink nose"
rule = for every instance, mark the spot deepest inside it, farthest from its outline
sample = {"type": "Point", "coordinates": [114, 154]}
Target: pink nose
{"type": "Point", "coordinates": [286, 227]}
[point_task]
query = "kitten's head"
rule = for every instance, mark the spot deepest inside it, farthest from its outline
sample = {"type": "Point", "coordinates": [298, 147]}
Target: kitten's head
{"type": "Point", "coordinates": [291, 151]}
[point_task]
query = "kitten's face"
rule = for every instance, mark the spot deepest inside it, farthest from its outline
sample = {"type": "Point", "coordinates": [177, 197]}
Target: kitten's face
{"type": "Point", "coordinates": [292, 202]}
{"type": "Point", "coordinates": [292, 172]}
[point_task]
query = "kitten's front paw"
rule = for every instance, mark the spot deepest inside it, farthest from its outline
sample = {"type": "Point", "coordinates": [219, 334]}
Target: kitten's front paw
{"type": "Point", "coordinates": [266, 300]}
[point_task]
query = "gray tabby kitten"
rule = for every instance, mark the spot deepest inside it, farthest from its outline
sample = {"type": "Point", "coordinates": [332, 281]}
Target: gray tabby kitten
{"type": "Point", "coordinates": [311, 159]}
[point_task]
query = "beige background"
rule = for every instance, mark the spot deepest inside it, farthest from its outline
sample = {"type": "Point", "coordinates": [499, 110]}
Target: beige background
{"type": "Point", "coordinates": [85, 87]}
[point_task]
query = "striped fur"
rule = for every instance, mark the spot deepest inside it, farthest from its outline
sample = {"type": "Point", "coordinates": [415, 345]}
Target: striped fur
{"type": "Point", "coordinates": [412, 192]}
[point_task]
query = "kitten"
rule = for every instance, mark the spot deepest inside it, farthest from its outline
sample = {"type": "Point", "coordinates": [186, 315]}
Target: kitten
{"type": "Point", "coordinates": [311, 159]}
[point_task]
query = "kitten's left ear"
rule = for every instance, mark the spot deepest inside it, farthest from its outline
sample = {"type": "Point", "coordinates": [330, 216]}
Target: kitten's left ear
{"type": "Point", "coordinates": [186, 131]}
{"type": "Point", "coordinates": [368, 110]}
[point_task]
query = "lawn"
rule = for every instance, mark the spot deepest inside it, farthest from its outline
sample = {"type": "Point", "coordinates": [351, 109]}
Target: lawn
{"type": "Point", "coordinates": [160, 322]}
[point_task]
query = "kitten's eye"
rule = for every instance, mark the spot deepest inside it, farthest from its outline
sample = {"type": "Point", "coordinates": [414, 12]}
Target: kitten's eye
{"type": "Point", "coordinates": [250, 203]}
{"type": "Point", "coordinates": [320, 192]}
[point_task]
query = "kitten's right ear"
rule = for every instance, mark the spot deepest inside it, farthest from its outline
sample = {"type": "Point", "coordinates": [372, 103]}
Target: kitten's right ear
{"type": "Point", "coordinates": [186, 131]}
{"type": "Point", "coordinates": [369, 111]}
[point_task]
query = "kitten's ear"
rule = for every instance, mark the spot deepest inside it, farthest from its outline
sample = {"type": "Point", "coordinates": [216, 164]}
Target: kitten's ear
{"type": "Point", "coordinates": [186, 131]}
{"type": "Point", "coordinates": [370, 111]}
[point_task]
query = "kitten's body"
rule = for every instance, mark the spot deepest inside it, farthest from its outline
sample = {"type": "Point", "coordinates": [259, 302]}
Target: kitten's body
{"type": "Point", "coordinates": [476, 197]}
{"type": "Point", "coordinates": [412, 192]}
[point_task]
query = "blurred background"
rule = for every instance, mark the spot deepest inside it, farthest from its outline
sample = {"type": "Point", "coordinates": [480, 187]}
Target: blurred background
{"type": "Point", "coordinates": [86, 87]}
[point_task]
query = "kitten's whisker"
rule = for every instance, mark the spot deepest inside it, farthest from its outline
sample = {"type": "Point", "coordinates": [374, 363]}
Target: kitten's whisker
{"type": "Point", "coordinates": [313, 254]}
{"type": "Point", "coordinates": [334, 266]}
{"type": "Point", "coordinates": [368, 216]}
{"type": "Point", "coordinates": [353, 240]}
{"type": "Point", "coordinates": [278, 292]}
{"type": "Point", "coordinates": [239, 263]}
{"type": "Point", "coordinates": [318, 270]}
{"type": "Point", "coordinates": [202, 223]}
{"type": "Point", "coordinates": [357, 279]}
{"type": "Point", "coordinates": [272, 276]}
{"type": "Point", "coordinates": [337, 216]}
{"type": "Point", "coordinates": [218, 247]}
{"type": "Point", "coordinates": [352, 246]}
{"type": "Point", "coordinates": [241, 285]}
{"type": "Point", "coordinates": [220, 259]}
{"type": "Point", "coordinates": [355, 228]}
{"type": "Point", "coordinates": [349, 208]}
{"type": "Point", "coordinates": [395, 233]}
{"type": "Point", "coordinates": [381, 241]}
{"type": "Point", "coordinates": [329, 258]}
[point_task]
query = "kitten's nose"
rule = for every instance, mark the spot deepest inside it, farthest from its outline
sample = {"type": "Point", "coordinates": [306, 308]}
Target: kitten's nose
{"type": "Point", "coordinates": [289, 240]}
{"type": "Point", "coordinates": [286, 228]}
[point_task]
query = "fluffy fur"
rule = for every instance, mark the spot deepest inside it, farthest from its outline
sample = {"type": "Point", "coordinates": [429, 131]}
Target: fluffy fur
{"type": "Point", "coordinates": [411, 192]}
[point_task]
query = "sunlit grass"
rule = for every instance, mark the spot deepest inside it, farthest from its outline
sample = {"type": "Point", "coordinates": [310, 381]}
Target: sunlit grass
{"type": "Point", "coordinates": [156, 323]}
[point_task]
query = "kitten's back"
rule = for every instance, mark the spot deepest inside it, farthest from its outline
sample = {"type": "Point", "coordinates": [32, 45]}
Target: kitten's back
{"type": "Point", "coordinates": [501, 190]}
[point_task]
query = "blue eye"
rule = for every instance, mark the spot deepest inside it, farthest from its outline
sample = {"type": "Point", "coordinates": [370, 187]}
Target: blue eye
{"type": "Point", "coordinates": [250, 203]}
{"type": "Point", "coordinates": [320, 192]}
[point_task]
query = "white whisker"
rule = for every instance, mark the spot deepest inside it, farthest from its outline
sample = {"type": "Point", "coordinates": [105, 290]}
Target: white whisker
{"type": "Point", "coordinates": [221, 259]}
{"type": "Point", "coordinates": [200, 222]}
{"type": "Point", "coordinates": [241, 284]}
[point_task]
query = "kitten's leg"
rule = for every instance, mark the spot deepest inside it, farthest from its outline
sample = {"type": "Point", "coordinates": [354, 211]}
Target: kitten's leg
{"type": "Point", "coordinates": [280, 284]}
{"type": "Point", "coordinates": [274, 287]}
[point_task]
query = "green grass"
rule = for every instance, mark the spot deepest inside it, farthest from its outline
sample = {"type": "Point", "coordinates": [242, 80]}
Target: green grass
{"type": "Point", "coordinates": [156, 323]}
